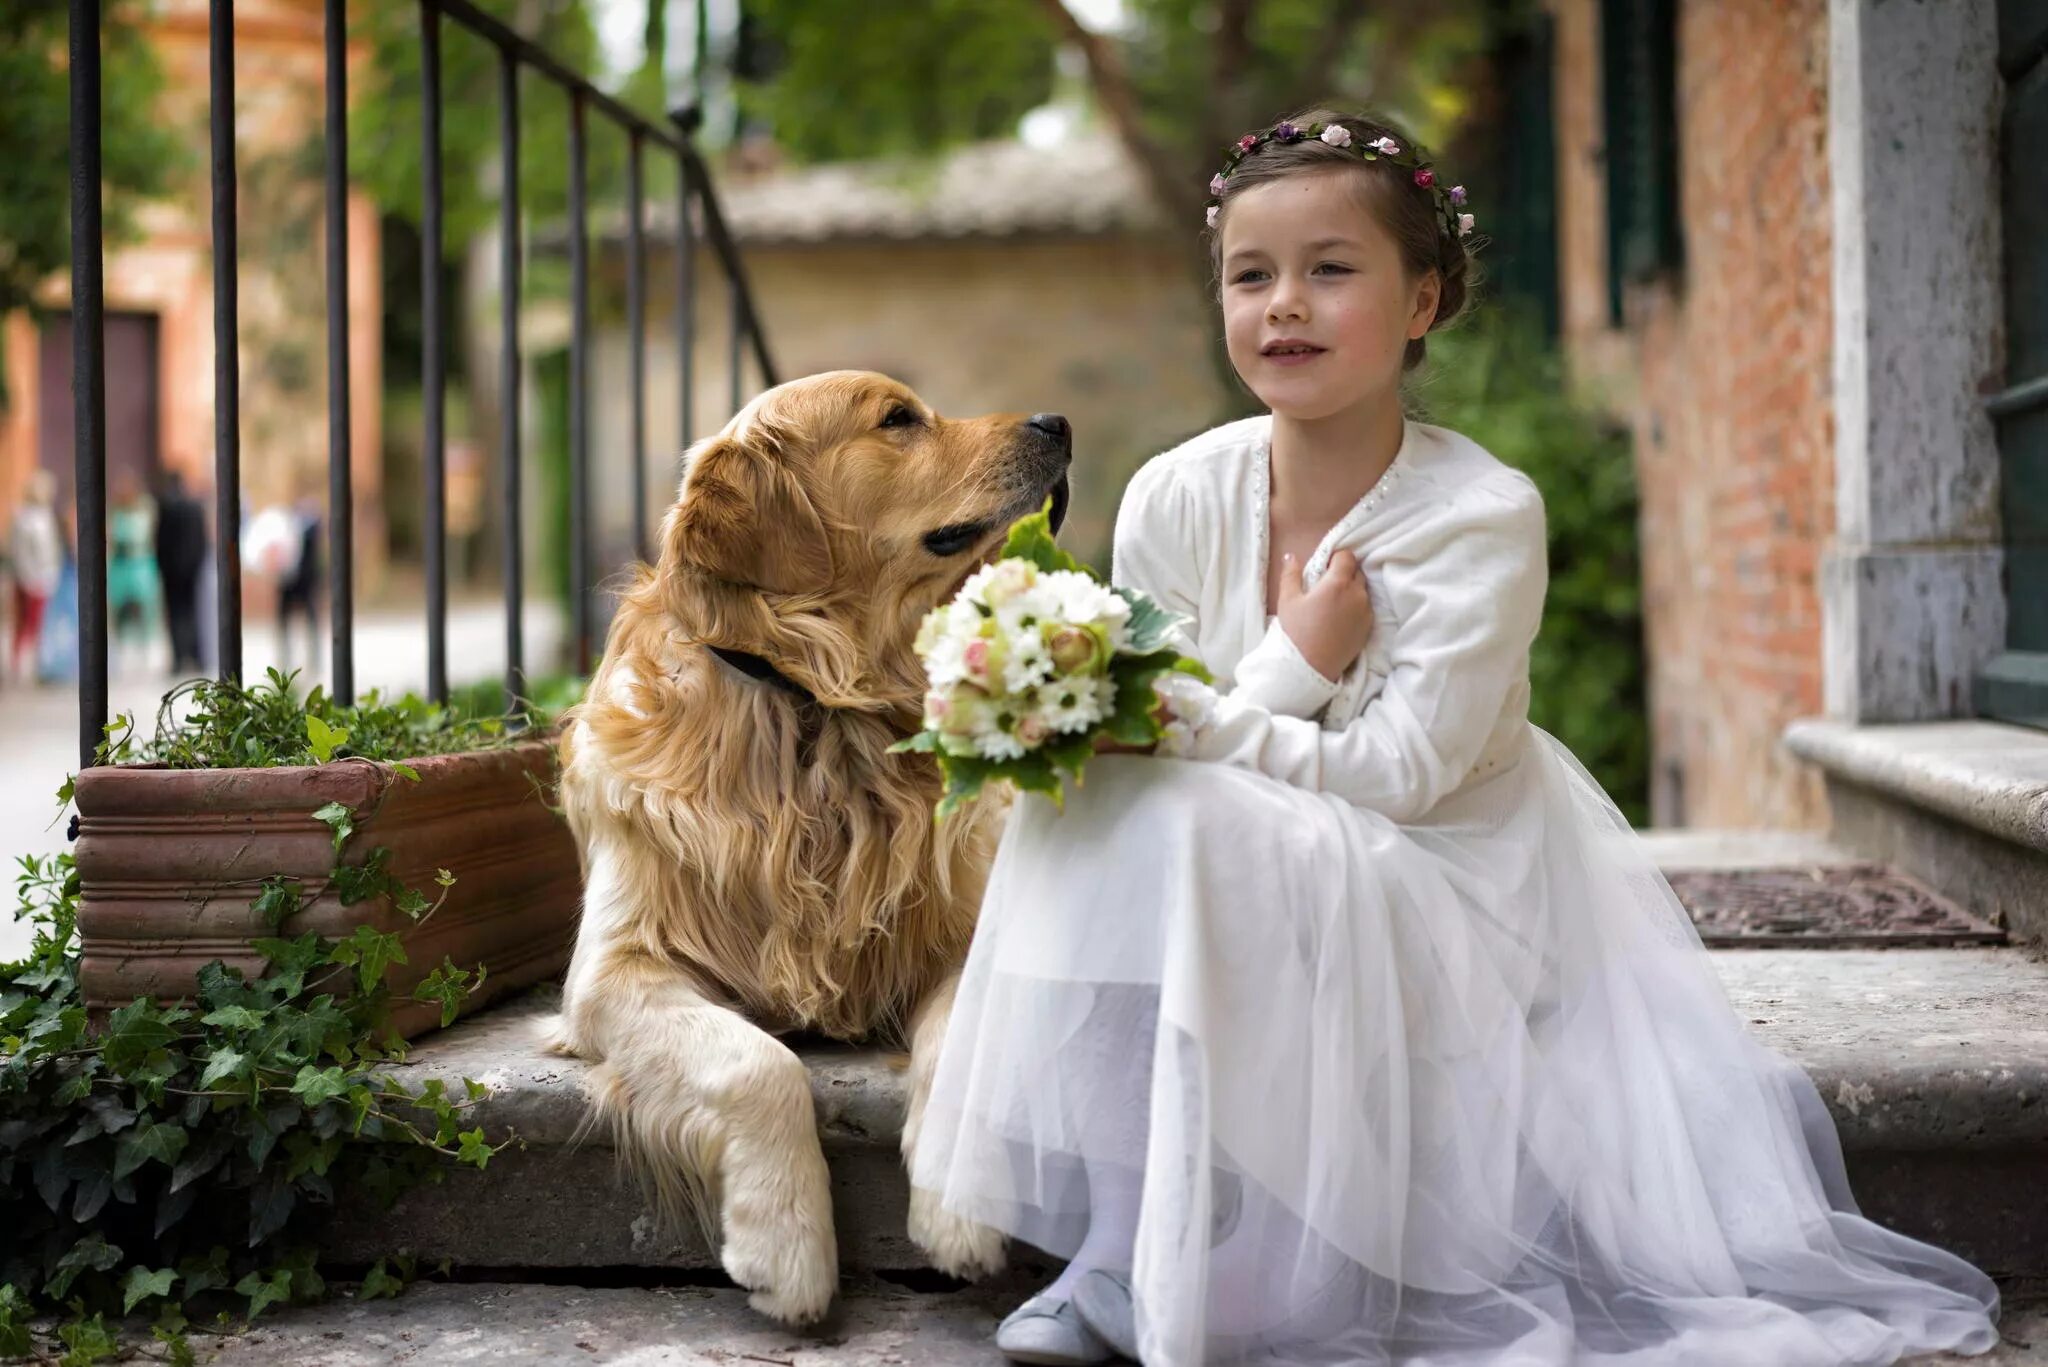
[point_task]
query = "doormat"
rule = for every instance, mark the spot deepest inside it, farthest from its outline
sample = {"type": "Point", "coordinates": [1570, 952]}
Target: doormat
{"type": "Point", "coordinates": [1840, 907]}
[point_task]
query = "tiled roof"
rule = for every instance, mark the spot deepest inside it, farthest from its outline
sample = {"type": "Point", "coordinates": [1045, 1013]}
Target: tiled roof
{"type": "Point", "coordinates": [1085, 185]}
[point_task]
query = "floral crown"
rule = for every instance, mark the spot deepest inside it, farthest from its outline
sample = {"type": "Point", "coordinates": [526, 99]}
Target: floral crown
{"type": "Point", "coordinates": [1449, 202]}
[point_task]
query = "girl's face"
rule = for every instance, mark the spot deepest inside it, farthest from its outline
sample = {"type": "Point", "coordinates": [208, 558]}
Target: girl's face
{"type": "Point", "coordinates": [1317, 307]}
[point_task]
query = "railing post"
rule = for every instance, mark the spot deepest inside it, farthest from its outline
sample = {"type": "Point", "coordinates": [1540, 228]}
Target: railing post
{"type": "Point", "coordinates": [227, 365]}
{"type": "Point", "coordinates": [636, 328]}
{"type": "Point", "coordinates": [434, 357]}
{"type": "Point", "coordinates": [509, 376]}
{"type": "Point", "coordinates": [340, 485]}
{"type": "Point", "coordinates": [579, 387]}
{"type": "Point", "coordinates": [88, 377]}
{"type": "Point", "coordinates": [686, 288]}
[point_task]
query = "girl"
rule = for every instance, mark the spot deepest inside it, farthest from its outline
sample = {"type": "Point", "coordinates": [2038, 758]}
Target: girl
{"type": "Point", "coordinates": [1361, 1030]}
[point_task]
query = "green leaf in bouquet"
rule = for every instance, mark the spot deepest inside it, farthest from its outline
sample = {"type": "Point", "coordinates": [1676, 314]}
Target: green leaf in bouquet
{"type": "Point", "coordinates": [1035, 774]}
{"type": "Point", "coordinates": [965, 777]}
{"type": "Point", "coordinates": [1031, 539]}
{"type": "Point", "coordinates": [1150, 625]}
{"type": "Point", "coordinates": [923, 743]}
{"type": "Point", "coordinates": [1070, 753]}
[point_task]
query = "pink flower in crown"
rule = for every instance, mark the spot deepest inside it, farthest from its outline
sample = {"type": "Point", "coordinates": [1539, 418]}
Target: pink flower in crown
{"type": "Point", "coordinates": [1211, 215]}
{"type": "Point", "coordinates": [1247, 142]}
{"type": "Point", "coordinates": [1464, 225]}
{"type": "Point", "coordinates": [1216, 184]}
{"type": "Point", "coordinates": [1337, 135]}
{"type": "Point", "coordinates": [1425, 177]}
{"type": "Point", "coordinates": [1385, 146]}
{"type": "Point", "coordinates": [1457, 194]}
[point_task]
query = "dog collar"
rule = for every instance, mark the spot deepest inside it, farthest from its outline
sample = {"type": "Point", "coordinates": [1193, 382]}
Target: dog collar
{"type": "Point", "coordinates": [755, 667]}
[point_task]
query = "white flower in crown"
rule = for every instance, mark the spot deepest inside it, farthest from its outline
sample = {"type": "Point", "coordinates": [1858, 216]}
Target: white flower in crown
{"type": "Point", "coordinates": [1464, 225]}
{"type": "Point", "coordinates": [1210, 217]}
{"type": "Point", "coordinates": [1337, 135]}
{"type": "Point", "coordinates": [1216, 184]}
{"type": "Point", "coordinates": [1386, 146]}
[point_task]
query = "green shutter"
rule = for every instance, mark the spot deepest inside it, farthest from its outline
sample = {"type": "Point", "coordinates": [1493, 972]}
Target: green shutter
{"type": "Point", "coordinates": [2015, 686]}
{"type": "Point", "coordinates": [1639, 79]}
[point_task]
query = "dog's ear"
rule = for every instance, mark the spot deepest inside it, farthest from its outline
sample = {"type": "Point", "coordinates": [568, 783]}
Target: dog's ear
{"type": "Point", "coordinates": [745, 519]}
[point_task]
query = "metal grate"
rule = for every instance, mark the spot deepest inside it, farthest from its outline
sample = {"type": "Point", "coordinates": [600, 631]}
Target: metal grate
{"type": "Point", "coordinates": [1824, 907]}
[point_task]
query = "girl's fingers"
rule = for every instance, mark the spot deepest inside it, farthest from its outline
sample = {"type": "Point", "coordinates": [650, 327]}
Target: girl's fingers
{"type": "Point", "coordinates": [1290, 579]}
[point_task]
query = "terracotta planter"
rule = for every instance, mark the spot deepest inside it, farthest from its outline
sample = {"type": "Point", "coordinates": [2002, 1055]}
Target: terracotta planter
{"type": "Point", "coordinates": [170, 860]}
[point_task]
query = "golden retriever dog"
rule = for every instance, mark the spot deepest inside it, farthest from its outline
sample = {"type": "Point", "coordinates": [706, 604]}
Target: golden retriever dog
{"type": "Point", "coordinates": [755, 861]}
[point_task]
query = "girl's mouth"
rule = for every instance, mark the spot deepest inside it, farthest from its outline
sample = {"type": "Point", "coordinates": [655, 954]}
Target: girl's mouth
{"type": "Point", "coordinates": [1291, 353]}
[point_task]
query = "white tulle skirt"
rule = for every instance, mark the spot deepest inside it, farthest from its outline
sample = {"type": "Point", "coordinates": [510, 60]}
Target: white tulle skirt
{"type": "Point", "coordinates": [1457, 1093]}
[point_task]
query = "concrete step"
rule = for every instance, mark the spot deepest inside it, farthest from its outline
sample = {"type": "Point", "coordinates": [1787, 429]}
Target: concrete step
{"type": "Point", "coordinates": [1934, 1063]}
{"type": "Point", "coordinates": [873, 1324]}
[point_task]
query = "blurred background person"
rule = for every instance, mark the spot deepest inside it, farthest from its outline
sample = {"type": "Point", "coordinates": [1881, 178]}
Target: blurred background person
{"type": "Point", "coordinates": [35, 549]}
{"type": "Point", "coordinates": [180, 554]}
{"type": "Point", "coordinates": [133, 593]}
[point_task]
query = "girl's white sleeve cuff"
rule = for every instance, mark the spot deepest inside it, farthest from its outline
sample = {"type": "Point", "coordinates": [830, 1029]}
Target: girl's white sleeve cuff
{"type": "Point", "coordinates": [1276, 676]}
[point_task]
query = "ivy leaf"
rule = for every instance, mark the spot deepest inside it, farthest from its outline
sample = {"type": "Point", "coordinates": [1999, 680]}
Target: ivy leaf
{"type": "Point", "coordinates": [224, 1063]}
{"type": "Point", "coordinates": [177, 1349]}
{"type": "Point", "coordinates": [339, 819]}
{"type": "Point", "coordinates": [279, 901]}
{"type": "Point", "coordinates": [270, 1205]}
{"type": "Point", "coordinates": [290, 961]}
{"type": "Point", "coordinates": [91, 1254]}
{"type": "Point", "coordinates": [141, 1284]}
{"type": "Point", "coordinates": [412, 902]}
{"type": "Point", "coordinates": [448, 985]}
{"type": "Point", "coordinates": [198, 1162]}
{"type": "Point", "coordinates": [405, 771]}
{"type": "Point", "coordinates": [233, 1018]}
{"type": "Point", "coordinates": [149, 1140]}
{"type": "Point", "coordinates": [14, 1320]}
{"type": "Point", "coordinates": [133, 1033]}
{"type": "Point", "coordinates": [372, 952]}
{"type": "Point", "coordinates": [264, 1292]}
{"type": "Point", "coordinates": [475, 1149]}
{"type": "Point", "coordinates": [378, 1283]}
{"type": "Point", "coordinates": [204, 1274]}
{"type": "Point", "coordinates": [87, 1341]}
{"type": "Point", "coordinates": [369, 879]}
{"type": "Point", "coordinates": [323, 739]}
{"type": "Point", "coordinates": [318, 1084]}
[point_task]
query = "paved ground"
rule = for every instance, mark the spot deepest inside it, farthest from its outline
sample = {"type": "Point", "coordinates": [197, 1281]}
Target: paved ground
{"type": "Point", "coordinates": [876, 1324]}
{"type": "Point", "coordinates": [39, 726]}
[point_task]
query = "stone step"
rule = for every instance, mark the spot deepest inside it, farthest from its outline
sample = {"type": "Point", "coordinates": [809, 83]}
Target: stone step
{"type": "Point", "coordinates": [874, 1323]}
{"type": "Point", "coordinates": [1934, 1063]}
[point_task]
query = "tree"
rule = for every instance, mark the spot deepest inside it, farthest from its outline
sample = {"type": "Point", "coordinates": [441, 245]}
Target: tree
{"type": "Point", "coordinates": [1176, 84]}
{"type": "Point", "coordinates": [139, 156]}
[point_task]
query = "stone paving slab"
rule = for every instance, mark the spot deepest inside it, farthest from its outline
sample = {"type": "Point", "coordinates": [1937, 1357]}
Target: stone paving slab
{"type": "Point", "coordinates": [875, 1324]}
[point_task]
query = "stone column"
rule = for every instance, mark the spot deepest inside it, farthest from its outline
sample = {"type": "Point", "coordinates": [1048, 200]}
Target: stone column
{"type": "Point", "coordinates": [1912, 602]}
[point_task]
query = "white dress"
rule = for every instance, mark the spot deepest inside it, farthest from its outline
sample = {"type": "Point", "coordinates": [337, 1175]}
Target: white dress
{"type": "Point", "coordinates": [1376, 998]}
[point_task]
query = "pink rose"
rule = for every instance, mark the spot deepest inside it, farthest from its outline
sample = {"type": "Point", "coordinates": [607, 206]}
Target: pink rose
{"type": "Point", "coordinates": [977, 661]}
{"type": "Point", "coordinates": [1033, 731]}
{"type": "Point", "coordinates": [1247, 142]}
{"type": "Point", "coordinates": [1425, 177]}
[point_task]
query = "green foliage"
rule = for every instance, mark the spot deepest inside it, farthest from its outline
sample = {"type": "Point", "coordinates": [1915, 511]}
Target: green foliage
{"type": "Point", "coordinates": [384, 119]}
{"type": "Point", "coordinates": [1501, 384]}
{"type": "Point", "coordinates": [175, 1156]}
{"type": "Point", "coordinates": [220, 724]}
{"type": "Point", "coordinates": [859, 81]}
{"type": "Point", "coordinates": [140, 155]}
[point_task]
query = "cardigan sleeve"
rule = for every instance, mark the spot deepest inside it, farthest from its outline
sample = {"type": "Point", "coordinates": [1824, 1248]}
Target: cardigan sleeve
{"type": "Point", "coordinates": [1469, 590]}
{"type": "Point", "coordinates": [1157, 551]}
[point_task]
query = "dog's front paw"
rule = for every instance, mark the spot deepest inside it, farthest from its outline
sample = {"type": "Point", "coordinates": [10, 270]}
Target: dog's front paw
{"type": "Point", "coordinates": [779, 1245]}
{"type": "Point", "coordinates": [956, 1245]}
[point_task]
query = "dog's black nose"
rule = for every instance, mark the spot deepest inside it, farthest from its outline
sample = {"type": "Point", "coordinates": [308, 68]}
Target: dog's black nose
{"type": "Point", "coordinates": [1054, 426]}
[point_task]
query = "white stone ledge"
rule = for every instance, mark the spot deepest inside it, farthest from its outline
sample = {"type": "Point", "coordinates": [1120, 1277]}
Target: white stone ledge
{"type": "Point", "coordinates": [1983, 774]}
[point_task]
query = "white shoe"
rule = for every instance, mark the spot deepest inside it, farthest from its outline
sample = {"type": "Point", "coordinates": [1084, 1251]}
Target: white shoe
{"type": "Point", "coordinates": [1049, 1333]}
{"type": "Point", "coordinates": [1103, 1299]}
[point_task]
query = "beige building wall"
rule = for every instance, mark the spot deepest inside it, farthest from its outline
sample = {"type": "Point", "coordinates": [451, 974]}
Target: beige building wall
{"type": "Point", "coordinates": [1109, 331]}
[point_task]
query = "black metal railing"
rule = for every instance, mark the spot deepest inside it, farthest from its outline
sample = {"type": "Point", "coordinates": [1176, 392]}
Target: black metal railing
{"type": "Point", "coordinates": [694, 191]}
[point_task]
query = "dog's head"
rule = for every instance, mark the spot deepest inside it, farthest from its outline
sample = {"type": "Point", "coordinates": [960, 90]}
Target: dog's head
{"type": "Point", "coordinates": [845, 494]}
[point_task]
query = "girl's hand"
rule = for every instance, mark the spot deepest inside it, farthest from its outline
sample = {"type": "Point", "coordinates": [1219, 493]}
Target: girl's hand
{"type": "Point", "coordinates": [1330, 623]}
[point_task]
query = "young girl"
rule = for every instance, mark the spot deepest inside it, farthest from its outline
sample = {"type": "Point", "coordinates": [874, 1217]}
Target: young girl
{"type": "Point", "coordinates": [1361, 1030]}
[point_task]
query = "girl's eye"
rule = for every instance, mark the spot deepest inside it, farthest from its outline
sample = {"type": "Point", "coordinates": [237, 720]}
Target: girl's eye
{"type": "Point", "coordinates": [1334, 268]}
{"type": "Point", "coordinates": [1248, 277]}
{"type": "Point", "coordinates": [900, 416]}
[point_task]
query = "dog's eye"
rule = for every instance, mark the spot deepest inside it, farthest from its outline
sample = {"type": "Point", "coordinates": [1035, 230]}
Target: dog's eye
{"type": "Point", "coordinates": [951, 541]}
{"type": "Point", "coordinates": [900, 416]}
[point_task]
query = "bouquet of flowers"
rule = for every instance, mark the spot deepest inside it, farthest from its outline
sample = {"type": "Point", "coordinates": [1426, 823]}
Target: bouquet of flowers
{"type": "Point", "coordinates": [1034, 661]}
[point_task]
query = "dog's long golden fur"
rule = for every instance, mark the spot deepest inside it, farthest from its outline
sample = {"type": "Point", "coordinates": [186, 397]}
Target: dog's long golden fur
{"type": "Point", "coordinates": [753, 859]}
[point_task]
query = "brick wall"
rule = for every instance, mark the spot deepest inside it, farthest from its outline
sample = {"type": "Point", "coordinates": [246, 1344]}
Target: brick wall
{"type": "Point", "coordinates": [1724, 374]}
